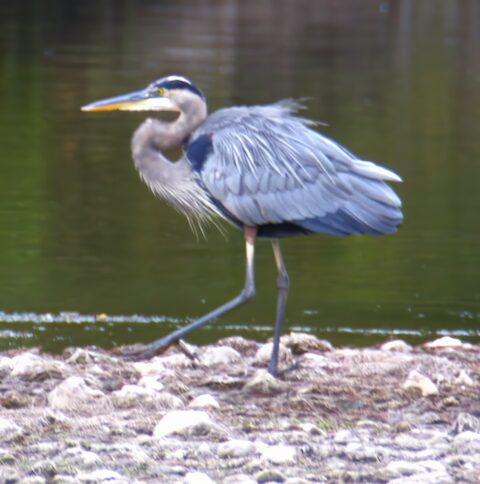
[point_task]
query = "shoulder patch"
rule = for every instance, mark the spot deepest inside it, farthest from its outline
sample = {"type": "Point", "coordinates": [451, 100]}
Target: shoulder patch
{"type": "Point", "coordinates": [198, 151]}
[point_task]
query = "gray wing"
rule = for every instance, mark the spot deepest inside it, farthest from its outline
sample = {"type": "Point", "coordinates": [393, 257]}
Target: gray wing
{"type": "Point", "coordinates": [267, 166]}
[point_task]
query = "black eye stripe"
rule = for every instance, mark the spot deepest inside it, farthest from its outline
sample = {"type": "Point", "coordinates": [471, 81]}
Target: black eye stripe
{"type": "Point", "coordinates": [179, 84]}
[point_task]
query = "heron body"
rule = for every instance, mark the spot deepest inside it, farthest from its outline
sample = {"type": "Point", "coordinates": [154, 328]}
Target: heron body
{"type": "Point", "coordinates": [264, 169]}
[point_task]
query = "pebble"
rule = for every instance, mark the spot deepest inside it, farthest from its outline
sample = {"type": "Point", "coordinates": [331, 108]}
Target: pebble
{"type": "Point", "coordinates": [269, 475]}
{"type": "Point", "coordinates": [466, 421]}
{"type": "Point", "coordinates": [101, 475]}
{"type": "Point", "coordinates": [220, 356]}
{"type": "Point", "coordinates": [72, 393]}
{"type": "Point", "coordinates": [30, 366]}
{"type": "Point", "coordinates": [9, 430]}
{"type": "Point", "coordinates": [420, 382]}
{"type": "Point", "coordinates": [396, 345]}
{"type": "Point", "coordinates": [401, 468]}
{"type": "Point", "coordinates": [151, 383]}
{"type": "Point", "coordinates": [300, 343]}
{"type": "Point", "coordinates": [279, 454]}
{"type": "Point", "coordinates": [197, 478]}
{"type": "Point", "coordinates": [262, 383]}
{"type": "Point", "coordinates": [192, 422]}
{"type": "Point", "coordinates": [444, 342]}
{"type": "Point", "coordinates": [467, 442]}
{"type": "Point", "coordinates": [130, 396]}
{"type": "Point", "coordinates": [263, 355]}
{"type": "Point", "coordinates": [239, 479]}
{"type": "Point", "coordinates": [236, 448]}
{"type": "Point", "coordinates": [204, 401]}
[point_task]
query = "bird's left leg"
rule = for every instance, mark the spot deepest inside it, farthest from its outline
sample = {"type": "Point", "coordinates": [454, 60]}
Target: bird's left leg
{"type": "Point", "coordinates": [282, 287]}
{"type": "Point", "coordinates": [248, 292]}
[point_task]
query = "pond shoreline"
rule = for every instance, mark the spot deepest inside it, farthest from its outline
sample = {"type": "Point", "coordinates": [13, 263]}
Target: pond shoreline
{"type": "Point", "coordinates": [389, 413]}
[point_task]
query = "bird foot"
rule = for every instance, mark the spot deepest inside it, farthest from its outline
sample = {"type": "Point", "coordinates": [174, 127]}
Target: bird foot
{"type": "Point", "coordinates": [154, 349]}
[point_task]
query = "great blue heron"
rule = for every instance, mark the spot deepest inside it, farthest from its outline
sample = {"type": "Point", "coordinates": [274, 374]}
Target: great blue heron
{"type": "Point", "coordinates": [261, 168]}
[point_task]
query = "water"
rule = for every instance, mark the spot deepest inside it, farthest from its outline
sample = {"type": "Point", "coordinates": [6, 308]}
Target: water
{"type": "Point", "coordinates": [88, 256]}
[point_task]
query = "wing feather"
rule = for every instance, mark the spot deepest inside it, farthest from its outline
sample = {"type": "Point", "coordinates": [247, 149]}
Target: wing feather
{"type": "Point", "coordinates": [268, 166]}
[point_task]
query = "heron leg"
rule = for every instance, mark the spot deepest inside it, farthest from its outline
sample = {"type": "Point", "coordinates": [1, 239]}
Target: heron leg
{"type": "Point", "coordinates": [248, 292]}
{"type": "Point", "coordinates": [282, 286]}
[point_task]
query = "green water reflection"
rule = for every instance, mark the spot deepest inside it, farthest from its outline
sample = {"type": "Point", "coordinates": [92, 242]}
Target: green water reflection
{"type": "Point", "coordinates": [398, 82]}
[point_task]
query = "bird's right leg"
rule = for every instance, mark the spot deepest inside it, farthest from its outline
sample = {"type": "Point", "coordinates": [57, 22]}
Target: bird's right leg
{"type": "Point", "coordinates": [248, 292]}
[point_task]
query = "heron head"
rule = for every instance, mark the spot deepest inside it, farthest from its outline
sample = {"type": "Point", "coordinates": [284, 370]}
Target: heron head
{"type": "Point", "coordinates": [166, 94]}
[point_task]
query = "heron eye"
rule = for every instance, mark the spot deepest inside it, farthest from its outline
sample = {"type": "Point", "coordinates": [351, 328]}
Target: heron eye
{"type": "Point", "coordinates": [160, 91]}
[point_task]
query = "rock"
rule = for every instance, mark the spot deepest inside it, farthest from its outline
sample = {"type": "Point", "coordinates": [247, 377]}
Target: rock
{"type": "Point", "coordinates": [416, 380]}
{"type": "Point", "coordinates": [236, 448]}
{"type": "Point", "coordinates": [151, 383]}
{"type": "Point", "coordinates": [197, 478]}
{"type": "Point", "coordinates": [407, 441]}
{"type": "Point", "coordinates": [73, 393]}
{"type": "Point", "coordinates": [466, 421]}
{"type": "Point", "coordinates": [262, 383]}
{"type": "Point", "coordinates": [242, 345]}
{"type": "Point", "coordinates": [64, 479]}
{"type": "Point", "coordinates": [79, 458]}
{"type": "Point", "coordinates": [279, 454]}
{"type": "Point", "coordinates": [264, 354]}
{"type": "Point", "coordinates": [33, 480]}
{"type": "Point", "coordinates": [402, 468]}
{"type": "Point", "coordinates": [219, 356]}
{"type": "Point", "coordinates": [9, 475]}
{"type": "Point", "coordinates": [190, 422]}
{"type": "Point", "coordinates": [464, 379]}
{"type": "Point", "coordinates": [9, 430]}
{"type": "Point", "coordinates": [345, 437]}
{"type": "Point", "coordinates": [44, 468]}
{"type": "Point", "coordinates": [359, 451]}
{"type": "Point", "coordinates": [443, 343]}
{"type": "Point", "coordinates": [396, 345]}
{"type": "Point", "coordinates": [6, 366]}
{"type": "Point", "coordinates": [130, 396]}
{"type": "Point", "coordinates": [269, 475]}
{"type": "Point", "coordinates": [29, 366]}
{"type": "Point", "coordinates": [239, 479]}
{"type": "Point", "coordinates": [467, 442]}
{"type": "Point", "coordinates": [80, 356]}
{"type": "Point", "coordinates": [300, 343]}
{"type": "Point", "coordinates": [101, 475]}
{"type": "Point", "coordinates": [204, 401]}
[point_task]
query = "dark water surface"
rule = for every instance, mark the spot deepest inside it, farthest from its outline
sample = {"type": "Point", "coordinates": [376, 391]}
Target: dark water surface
{"type": "Point", "coordinates": [398, 82]}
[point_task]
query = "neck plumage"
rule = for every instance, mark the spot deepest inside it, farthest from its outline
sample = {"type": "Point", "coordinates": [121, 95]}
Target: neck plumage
{"type": "Point", "coordinates": [171, 180]}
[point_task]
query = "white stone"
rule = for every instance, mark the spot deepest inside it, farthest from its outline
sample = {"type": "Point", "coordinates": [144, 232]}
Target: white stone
{"type": "Point", "coordinates": [396, 345]}
{"type": "Point", "coordinates": [219, 356]}
{"type": "Point", "coordinates": [400, 468]}
{"type": "Point", "coordinates": [133, 395]}
{"type": "Point", "coordinates": [239, 479]}
{"type": "Point", "coordinates": [264, 354]}
{"type": "Point", "coordinates": [151, 382]}
{"type": "Point", "coordinates": [279, 454]}
{"type": "Point", "coordinates": [418, 381]}
{"type": "Point", "coordinates": [6, 365]}
{"type": "Point", "coordinates": [236, 448]}
{"type": "Point", "coordinates": [464, 379]}
{"type": "Point", "coordinates": [445, 342]}
{"type": "Point", "coordinates": [204, 401]}
{"type": "Point", "coordinates": [304, 342]}
{"type": "Point", "coordinates": [263, 383]}
{"type": "Point", "coordinates": [30, 366]}
{"type": "Point", "coordinates": [467, 441]}
{"type": "Point", "coordinates": [345, 437]}
{"type": "Point", "coordinates": [9, 430]}
{"type": "Point", "coordinates": [101, 475]}
{"type": "Point", "coordinates": [72, 393]}
{"type": "Point", "coordinates": [182, 421]}
{"type": "Point", "coordinates": [78, 457]}
{"type": "Point", "coordinates": [197, 478]}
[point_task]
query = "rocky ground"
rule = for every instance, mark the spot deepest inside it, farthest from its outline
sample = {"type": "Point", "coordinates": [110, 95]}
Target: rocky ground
{"type": "Point", "coordinates": [392, 413]}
